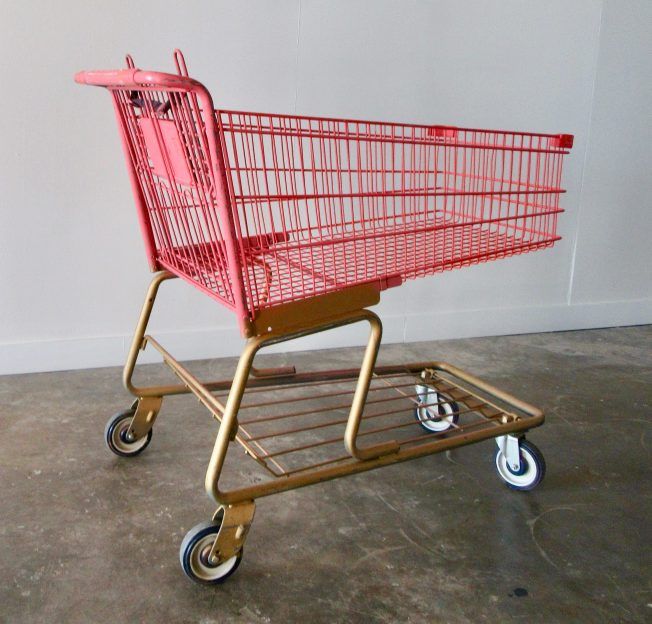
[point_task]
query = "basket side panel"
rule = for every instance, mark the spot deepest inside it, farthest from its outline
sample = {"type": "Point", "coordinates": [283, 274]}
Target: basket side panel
{"type": "Point", "coordinates": [328, 203]}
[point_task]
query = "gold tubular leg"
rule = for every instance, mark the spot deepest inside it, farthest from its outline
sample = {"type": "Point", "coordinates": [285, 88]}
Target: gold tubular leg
{"type": "Point", "coordinates": [229, 423]}
{"type": "Point", "coordinates": [360, 398]}
{"type": "Point", "coordinates": [138, 341]}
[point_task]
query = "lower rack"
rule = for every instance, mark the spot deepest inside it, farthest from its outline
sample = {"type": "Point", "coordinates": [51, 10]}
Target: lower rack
{"type": "Point", "coordinates": [295, 425]}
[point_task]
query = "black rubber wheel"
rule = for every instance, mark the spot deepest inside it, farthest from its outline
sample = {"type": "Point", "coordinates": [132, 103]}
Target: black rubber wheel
{"type": "Point", "coordinates": [531, 471]}
{"type": "Point", "coordinates": [193, 555]}
{"type": "Point", "coordinates": [115, 435]}
{"type": "Point", "coordinates": [437, 418]}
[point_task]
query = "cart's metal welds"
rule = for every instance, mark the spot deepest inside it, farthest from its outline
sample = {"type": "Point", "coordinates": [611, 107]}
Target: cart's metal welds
{"type": "Point", "coordinates": [297, 224]}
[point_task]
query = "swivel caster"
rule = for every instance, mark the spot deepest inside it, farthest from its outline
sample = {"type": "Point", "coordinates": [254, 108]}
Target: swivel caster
{"type": "Point", "coordinates": [194, 555]}
{"type": "Point", "coordinates": [436, 412]}
{"type": "Point", "coordinates": [117, 435]}
{"type": "Point", "coordinates": [524, 473]}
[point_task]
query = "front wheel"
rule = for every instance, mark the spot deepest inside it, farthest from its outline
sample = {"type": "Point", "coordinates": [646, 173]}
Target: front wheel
{"type": "Point", "coordinates": [194, 555]}
{"type": "Point", "coordinates": [435, 412]}
{"type": "Point", "coordinates": [530, 472]}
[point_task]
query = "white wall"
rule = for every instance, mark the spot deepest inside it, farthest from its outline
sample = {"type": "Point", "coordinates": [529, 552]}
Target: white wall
{"type": "Point", "coordinates": [72, 269]}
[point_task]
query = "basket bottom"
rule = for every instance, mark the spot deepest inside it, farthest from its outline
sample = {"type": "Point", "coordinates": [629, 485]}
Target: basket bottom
{"type": "Point", "coordinates": [282, 270]}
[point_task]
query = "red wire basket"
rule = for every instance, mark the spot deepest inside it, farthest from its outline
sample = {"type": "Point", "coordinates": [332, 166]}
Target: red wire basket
{"type": "Point", "coordinates": [260, 209]}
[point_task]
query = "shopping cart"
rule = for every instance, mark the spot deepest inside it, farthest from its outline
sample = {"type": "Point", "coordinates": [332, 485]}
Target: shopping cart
{"type": "Point", "coordinates": [297, 224]}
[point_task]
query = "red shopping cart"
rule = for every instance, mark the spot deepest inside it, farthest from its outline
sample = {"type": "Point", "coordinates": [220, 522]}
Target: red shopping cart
{"type": "Point", "coordinates": [297, 224]}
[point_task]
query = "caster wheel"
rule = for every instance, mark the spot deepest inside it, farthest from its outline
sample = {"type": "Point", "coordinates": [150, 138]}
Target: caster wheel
{"type": "Point", "coordinates": [531, 471]}
{"type": "Point", "coordinates": [194, 551]}
{"type": "Point", "coordinates": [436, 418]}
{"type": "Point", "coordinates": [115, 435]}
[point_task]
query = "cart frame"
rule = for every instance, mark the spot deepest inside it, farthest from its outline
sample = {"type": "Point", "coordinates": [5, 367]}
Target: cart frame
{"type": "Point", "coordinates": [236, 507]}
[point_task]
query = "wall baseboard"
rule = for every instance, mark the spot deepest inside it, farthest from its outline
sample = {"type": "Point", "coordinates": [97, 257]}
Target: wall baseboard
{"type": "Point", "coordinates": [194, 344]}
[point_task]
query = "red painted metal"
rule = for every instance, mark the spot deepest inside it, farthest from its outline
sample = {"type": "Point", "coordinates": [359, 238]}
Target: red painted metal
{"type": "Point", "coordinates": [260, 209]}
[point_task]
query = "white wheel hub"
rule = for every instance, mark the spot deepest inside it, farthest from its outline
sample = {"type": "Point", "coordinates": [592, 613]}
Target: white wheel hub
{"type": "Point", "coordinates": [202, 569]}
{"type": "Point", "coordinates": [434, 412]}
{"type": "Point", "coordinates": [526, 476]}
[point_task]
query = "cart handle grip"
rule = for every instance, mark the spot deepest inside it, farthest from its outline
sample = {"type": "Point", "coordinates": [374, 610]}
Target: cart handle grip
{"type": "Point", "coordinates": [134, 77]}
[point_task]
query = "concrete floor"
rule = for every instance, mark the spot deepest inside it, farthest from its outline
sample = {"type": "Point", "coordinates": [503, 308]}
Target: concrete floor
{"type": "Point", "coordinates": [88, 537]}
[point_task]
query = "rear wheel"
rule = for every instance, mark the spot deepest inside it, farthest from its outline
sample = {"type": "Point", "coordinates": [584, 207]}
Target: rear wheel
{"type": "Point", "coordinates": [116, 435]}
{"type": "Point", "coordinates": [194, 555]}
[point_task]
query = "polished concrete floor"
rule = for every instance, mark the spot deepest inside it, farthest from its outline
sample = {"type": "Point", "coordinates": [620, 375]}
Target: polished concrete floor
{"type": "Point", "coordinates": [88, 537]}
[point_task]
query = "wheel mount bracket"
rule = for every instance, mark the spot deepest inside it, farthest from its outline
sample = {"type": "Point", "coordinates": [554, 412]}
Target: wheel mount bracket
{"type": "Point", "coordinates": [510, 447]}
{"type": "Point", "coordinates": [147, 409]}
{"type": "Point", "coordinates": [236, 520]}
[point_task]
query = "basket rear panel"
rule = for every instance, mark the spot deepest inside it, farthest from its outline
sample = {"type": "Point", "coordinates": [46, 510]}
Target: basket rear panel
{"type": "Point", "coordinates": [167, 143]}
{"type": "Point", "coordinates": [322, 204]}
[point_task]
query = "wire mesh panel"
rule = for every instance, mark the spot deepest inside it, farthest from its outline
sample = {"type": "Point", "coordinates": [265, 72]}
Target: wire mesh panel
{"type": "Point", "coordinates": [167, 143]}
{"type": "Point", "coordinates": [327, 203]}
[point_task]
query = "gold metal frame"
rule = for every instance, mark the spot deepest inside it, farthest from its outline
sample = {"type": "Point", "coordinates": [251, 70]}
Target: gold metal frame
{"type": "Point", "coordinates": [499, 413]}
